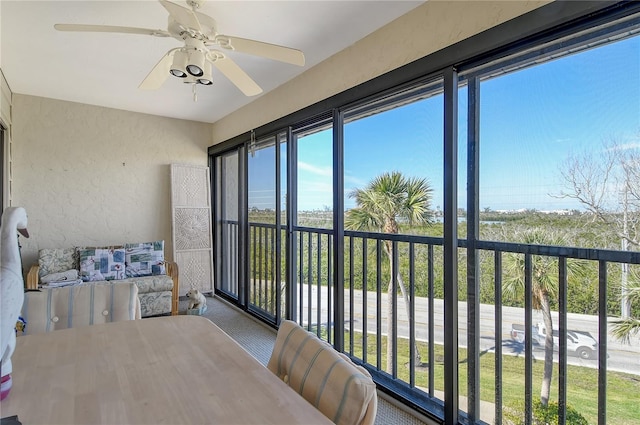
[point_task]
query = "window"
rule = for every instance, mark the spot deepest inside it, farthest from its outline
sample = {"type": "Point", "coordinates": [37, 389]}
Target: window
{"type": "Point", "coordinates": [537, 112]}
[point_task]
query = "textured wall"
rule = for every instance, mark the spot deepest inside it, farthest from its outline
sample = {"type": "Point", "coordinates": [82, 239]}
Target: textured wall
{"type": "Point", "coordinates": [91, 176]}
{"type": "Point", "coordinates": [426, 29]}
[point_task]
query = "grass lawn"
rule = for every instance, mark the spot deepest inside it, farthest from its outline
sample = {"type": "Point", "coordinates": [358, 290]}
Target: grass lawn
{"type": "Point", "coordinates": [623, 406]}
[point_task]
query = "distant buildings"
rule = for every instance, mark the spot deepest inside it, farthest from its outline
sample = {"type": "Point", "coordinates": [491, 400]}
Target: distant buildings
{"type": "Point", "coordinates": [526, 210]}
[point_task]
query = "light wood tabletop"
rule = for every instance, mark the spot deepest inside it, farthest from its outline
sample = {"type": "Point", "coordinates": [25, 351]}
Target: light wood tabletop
{"type": "Point", "coordinates": [169, 370]}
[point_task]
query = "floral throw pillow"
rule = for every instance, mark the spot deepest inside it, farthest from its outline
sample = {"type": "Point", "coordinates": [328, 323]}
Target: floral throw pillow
{"type": "Point", "coordinates": [101, 264]}
{"type": "Point", "coordinates": [56, 260]}
{"type": "Point", "coordinates": [144, 259]}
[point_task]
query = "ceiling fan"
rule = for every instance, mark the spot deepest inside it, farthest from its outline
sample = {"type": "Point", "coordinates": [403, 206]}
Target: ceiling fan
{"type": "Point", "coordinates": [193, 61]}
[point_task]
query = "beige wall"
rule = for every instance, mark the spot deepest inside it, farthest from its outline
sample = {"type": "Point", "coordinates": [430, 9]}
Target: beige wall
{"type": "Point", "coordinates": [91, 176]}
{"type": "Point", "coordinates": [428, 28]}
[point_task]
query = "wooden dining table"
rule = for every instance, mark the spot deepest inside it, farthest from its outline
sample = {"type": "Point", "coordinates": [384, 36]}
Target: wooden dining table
{"type": "Point", "coordinates": [166, 370]}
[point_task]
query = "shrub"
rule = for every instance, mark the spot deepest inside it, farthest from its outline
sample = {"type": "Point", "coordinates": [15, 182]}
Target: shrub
{"type": "Point", "coordinates": [542, 415]}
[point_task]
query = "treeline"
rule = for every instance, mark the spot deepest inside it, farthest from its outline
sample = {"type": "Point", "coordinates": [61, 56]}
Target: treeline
{"type": "Point", "coordinates": [577, 230]}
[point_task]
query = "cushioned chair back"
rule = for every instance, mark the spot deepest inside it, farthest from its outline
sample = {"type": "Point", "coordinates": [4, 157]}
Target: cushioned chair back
{"type": "Point", "coordinates": [51, 309]}
{"type": "Point", "coordinates": [343, 391]}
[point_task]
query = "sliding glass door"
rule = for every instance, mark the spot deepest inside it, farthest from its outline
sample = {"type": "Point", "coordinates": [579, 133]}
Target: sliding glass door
{"type": "Point", "coordinates": [227, 218]}
{"type": "Point", "coordinates": [267, 194]}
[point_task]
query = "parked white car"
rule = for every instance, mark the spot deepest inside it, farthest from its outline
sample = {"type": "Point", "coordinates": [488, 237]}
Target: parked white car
{"type": "Point", "coordinates": [579, 343]}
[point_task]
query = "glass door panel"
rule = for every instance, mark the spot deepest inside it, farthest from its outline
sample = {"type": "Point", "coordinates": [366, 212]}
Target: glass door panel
{"type": "Point", "coordinates": [313, 231]}
{"type": "Point", "coordinates": [265, 239]}
{"type": "Point", "coordinates": [227, 223]}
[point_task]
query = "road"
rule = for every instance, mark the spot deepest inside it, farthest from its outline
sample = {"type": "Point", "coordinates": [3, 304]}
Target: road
{"type": "Point", "coordinates": [622, 357]}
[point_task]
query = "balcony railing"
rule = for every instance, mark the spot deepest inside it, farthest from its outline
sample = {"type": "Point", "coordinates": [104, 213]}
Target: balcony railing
{"type": "Point", "coordinates": [417, 318]}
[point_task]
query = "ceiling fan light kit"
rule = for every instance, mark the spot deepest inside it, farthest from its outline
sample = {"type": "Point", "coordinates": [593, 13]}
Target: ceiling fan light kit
{"type": "Point", "coordinates": [193, 62]}
{"type": "Point", "coordinates": [179, 66]}
{"type": "Point", "coordinates": [195, 53]}
{"type": "Point", "coordinates": [195, 66]}
{"type": "Point", "coordinates": [207, 78]}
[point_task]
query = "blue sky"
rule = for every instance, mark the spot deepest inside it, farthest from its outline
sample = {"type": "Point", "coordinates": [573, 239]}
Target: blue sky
{"type": "Point", "coordinates": [531, 121]}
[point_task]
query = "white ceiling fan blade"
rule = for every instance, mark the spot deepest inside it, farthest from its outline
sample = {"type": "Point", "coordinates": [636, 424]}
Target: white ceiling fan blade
{"type": "Point", "coordinates": [182, 15]}
{"type": "Point", "coordinates": [208, 25]}
{"type": "Point", "coordinates": [237, 76]}
{"type": "Point", "coordinates": [159, 73]}
{"type": "Point", "coordinates": [110, 28]}
{"type": "Point", "coordinates": [259, 48]}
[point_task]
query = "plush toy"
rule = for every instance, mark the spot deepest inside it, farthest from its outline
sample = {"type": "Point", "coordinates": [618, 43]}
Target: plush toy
{"type": "Point", "coordinates": [196, 299]}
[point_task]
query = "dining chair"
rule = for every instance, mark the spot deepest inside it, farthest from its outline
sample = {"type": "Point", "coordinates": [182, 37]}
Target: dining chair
{"type": "Point", "coordinates": [343, 391]}
{"type": "Point", "coordinates": [50, 309]}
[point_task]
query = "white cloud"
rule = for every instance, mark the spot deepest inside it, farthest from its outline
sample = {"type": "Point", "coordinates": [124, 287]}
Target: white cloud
{"type": "Point", "coordinates": [326, 171]}
{"type": "Point", "coordinates": [314, 195]}
{"type": "Point", "coordinates": [354, 182]}
{"type": "Point", "coordinates": [625, 146]}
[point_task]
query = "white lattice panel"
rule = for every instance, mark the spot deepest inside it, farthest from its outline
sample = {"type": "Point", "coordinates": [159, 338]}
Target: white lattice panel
{"type": "Point", "coordinates": [192, 238]}
{"type": "Point", "coordinates": [193, 229]}
{"type": "Point", "coordinates": [195, 268]}
{"type": "Point", "coordinates": [191, 185]}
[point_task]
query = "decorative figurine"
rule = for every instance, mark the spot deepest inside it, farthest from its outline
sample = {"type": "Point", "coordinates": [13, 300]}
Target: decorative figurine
{"type": "Point", "coordinates": [14, 219]}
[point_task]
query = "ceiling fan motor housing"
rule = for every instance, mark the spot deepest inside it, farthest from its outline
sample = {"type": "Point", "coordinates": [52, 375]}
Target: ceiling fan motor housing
{"type": "Point", "coordinates": [196, 4]}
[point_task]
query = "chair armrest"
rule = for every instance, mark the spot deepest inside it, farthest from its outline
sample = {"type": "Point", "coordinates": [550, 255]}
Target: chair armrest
{"type": "Point", "coordinates": [32, 277]}
{"type": "Point", "coordinates": [172, 270]}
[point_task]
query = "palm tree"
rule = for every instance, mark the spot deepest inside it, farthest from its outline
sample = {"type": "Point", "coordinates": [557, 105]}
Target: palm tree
{"type": "Point", "coordinates": [386, 199]}
{"type": "Point", "coordinates": [623, 329]}
{"type": "Point", "coordinates": [544, 289]}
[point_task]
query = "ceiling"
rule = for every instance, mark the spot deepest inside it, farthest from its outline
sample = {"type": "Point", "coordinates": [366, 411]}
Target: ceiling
{"type": "Point", "coordinates": [105, 69]}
